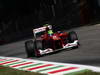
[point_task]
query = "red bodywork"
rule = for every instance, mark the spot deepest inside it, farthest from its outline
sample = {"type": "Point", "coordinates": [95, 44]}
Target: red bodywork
{"type": "Point", "coordinates": [56, 41]}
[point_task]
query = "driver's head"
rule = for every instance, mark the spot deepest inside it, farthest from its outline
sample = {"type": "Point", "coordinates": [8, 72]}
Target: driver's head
{"type": "Point", "coordinates": [50, 32]}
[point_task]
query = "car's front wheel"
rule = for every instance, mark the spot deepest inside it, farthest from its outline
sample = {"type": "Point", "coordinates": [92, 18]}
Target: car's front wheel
{"type": "Point", "coordinates": [72, 36]}
{"type": "Point", "coordinates": [29, 47]}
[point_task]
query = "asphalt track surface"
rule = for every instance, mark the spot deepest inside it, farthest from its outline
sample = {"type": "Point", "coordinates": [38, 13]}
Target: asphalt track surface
{"type": "Point", "coordinates": [88, 53]}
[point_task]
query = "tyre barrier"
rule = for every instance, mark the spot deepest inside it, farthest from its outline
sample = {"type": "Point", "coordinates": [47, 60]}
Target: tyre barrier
{"type": "Point", "coordinates": [44, 67]}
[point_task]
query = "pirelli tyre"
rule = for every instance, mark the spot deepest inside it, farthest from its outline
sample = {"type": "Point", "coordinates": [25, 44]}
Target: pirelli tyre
{"type": "Point", "coordinates": [72, 36]}
{"type": "Point", "coordinates": [39, 44]}
{"type": "Point", "coordinates": [29, 47]}
{"type": "Point", "coordinates": [32, 48]}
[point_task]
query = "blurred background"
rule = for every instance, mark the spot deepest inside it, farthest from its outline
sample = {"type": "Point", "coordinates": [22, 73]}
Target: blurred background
{"type": "Point", "coordinates": [18, 18]}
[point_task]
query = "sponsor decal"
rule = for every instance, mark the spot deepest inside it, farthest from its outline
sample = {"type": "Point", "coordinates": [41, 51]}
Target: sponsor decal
{"type": "Point", "coordinates": [41, 29]}
{"type": "Point", "coordinates": [46, 51]}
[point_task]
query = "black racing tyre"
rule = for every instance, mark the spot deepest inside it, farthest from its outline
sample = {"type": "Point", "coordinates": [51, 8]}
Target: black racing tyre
{"type": "Point", "coordinates": [29, 47]}
{"type": "Point", "coordinates": [39, 44]}
{"type": "Point", "coordinates": [72, 36]}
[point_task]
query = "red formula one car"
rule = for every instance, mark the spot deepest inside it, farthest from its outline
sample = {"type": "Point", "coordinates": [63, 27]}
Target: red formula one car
{"type": "Point", "coordinates": [46, 41]}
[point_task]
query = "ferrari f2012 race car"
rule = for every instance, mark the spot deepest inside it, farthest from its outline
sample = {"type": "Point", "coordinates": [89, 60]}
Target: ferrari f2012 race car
{"type": "Point", "coordinates": [46, 41]}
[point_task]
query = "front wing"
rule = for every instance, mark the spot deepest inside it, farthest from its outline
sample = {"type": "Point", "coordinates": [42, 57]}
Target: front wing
{"type": "Point", "coordinates": [68, 45]}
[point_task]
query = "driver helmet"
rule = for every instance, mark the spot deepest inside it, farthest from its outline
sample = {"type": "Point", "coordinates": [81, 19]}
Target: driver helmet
{"type": "Point", "coordinates": [50, 32]}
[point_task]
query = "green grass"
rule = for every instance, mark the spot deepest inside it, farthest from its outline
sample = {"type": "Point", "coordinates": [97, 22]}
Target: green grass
{"type": "Point", "coordinates": [10, 71]}
{"type": "Point", "coordinates": [85, 72]}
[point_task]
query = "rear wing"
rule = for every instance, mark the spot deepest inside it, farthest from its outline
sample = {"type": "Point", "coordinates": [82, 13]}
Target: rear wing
{"type": "Point", "coordinates": [41, 29]}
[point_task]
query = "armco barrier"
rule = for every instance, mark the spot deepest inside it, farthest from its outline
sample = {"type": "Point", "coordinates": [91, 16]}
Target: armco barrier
{"type": "Point", "coordinates": [45, 67]}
